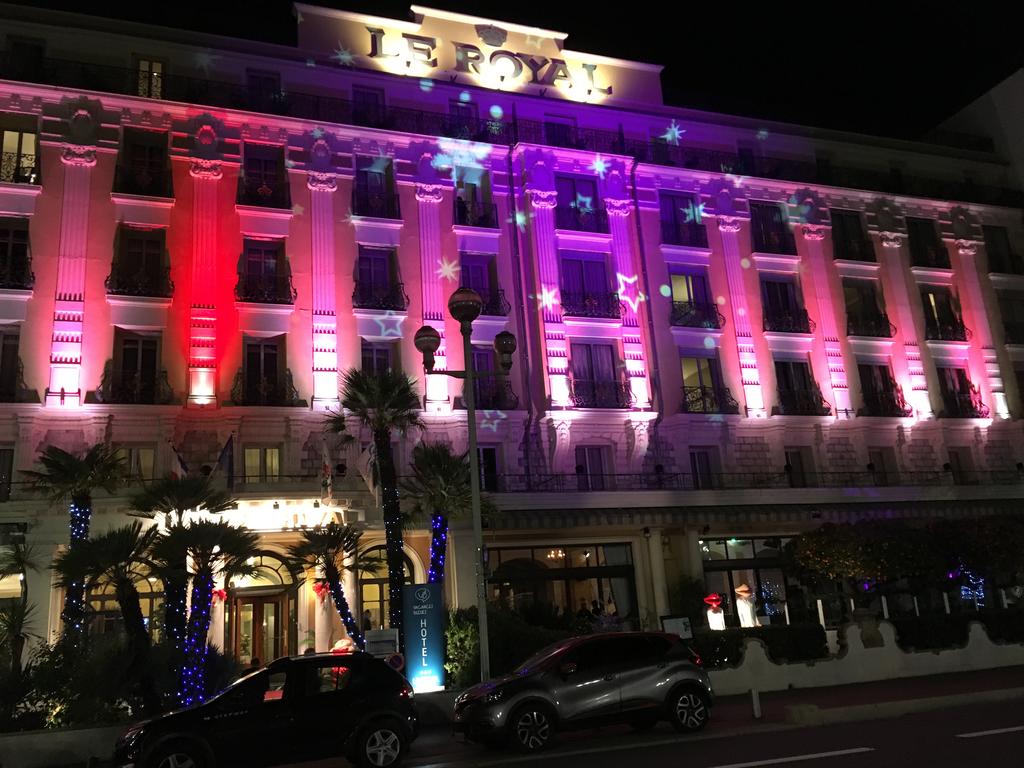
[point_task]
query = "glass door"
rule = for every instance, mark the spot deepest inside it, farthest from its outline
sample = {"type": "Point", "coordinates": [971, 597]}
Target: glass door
{"type": "Point", "coordinates": [259, 629]}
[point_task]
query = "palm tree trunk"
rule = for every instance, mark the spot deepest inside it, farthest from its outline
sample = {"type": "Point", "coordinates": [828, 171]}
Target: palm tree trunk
{"type": "Point", "coordinates": [193, 689]}
{"type": "Point", "coordinates": [341, 604]}
{"type": "Point", "coordinates": [80, 515]}
{"type": "Point", "coordinates": [392, 531]}
{"type": "Point", "coordinates": [138, 642]}
{"type": "Point", "coordinates": [438, 548]}
{"type": "Point", "coordinates": [175, 589]}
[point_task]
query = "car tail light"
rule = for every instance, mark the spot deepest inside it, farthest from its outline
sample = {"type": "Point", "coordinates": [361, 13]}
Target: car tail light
{"type": "Point", "coordinates": [406, 690]}
{"type": "Point", "coordinates": [695, 657]}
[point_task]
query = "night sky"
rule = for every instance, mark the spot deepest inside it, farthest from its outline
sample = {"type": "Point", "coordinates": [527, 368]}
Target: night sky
{"type": "Point", "coordinates": [893, 69]}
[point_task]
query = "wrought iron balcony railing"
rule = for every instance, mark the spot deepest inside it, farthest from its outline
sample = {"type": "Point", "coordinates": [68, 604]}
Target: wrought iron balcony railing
{"type": "Point", "coordinates": [16, 273]}
{"type": "Point", "coordinates": [590, 393]}
{"type": "Point", "coordinates": [950, 330]}
{"type": "Point", "coordinates": [493, 394]}
{"type": "Point", "coordinates": [147, 182]}
{"type": "Point", "coordinates": [374, 205]}
{"type": "Point", "coordinates": [1013, 331]}
{"type": "Point", "coordinates": [709, 400]}
{"type": "Point", "coordinates": [18, 168]}
{"type": "Point", "coordinates": [495, 304]}
{"type": "Point", "coordinates": [931, 255]}
{"type": "Point", "coordinates": [791, 321]}
{"type": "Point", "coordinates": [591, 304]}
{"type": "Point", "coordinates": [378, 296]}
{"type": "Point", "coordinates": [265, 390]}
{"type": "Point", "coordinates": [483, 215]}
{"type": "Point", "coordinates": [581, 219]}
{"type": "Point", "coordinates": [964, 405]}
{"type": "Point", "coordinates": [132, 388]}
{"type": "Point", "coordinates": [144, 283]}
{"type": "Point", "coordinates": [775, 241]}
{"type": "Point", "coordinates": [802, 402]}
{"type": "Point", "coordinates": [877, 325]}
{"type": "Point", "coordinates": [696, 314]}
{"type": "Point", "coordinates": [265, 193]}
{"type": "Point", "coordinates": [885, 403]}
{"type": "Point", "coordinates": [265, 289]}
{"type": "Point", "coordinates": [692, 235]}
{"type": "Point", "coordinates": [859, 249]}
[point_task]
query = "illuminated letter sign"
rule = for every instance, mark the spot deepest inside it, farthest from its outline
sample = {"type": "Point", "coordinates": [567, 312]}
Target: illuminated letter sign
{"type": "Point", "coordinates": [468, 58]}
{"type": "Point", "coordinates": [424, 614]}
{"type": "Point", "coordinates": [377, 44]}
{"type": "Point", "coordinates": [422, 48]}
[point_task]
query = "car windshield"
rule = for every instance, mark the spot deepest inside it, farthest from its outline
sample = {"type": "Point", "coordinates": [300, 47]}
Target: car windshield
{"type": "Point", "coordinates": [541, 657]}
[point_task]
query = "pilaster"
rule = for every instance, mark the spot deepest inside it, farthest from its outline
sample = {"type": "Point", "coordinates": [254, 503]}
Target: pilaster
{"type": "Point", "coordinates": [438, 275]}
{"type": "Point", "coordinates": [814, 237]}
{"type": "Point", "coordinates": [895, 269]}
{"type": "Point", "coordinates": [542, 205]}
{"type": "Point", "coordinates": [729, 227]}
{"type": "Point", "coordinates": [628, 286]}
{"type": "Point", "coordinates": [322, 187]}
{"type": "Point", "coordinates": [202, 363]}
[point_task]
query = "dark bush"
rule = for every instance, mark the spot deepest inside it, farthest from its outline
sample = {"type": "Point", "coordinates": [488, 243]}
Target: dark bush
{"type": "Point", "coordinates": [939, 631]}
{"type": "Point", "coordinates": [783, 643]}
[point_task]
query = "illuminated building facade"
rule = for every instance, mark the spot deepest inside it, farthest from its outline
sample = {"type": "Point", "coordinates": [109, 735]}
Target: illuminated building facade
{"type": "Point", "coordinates": [729, 330]}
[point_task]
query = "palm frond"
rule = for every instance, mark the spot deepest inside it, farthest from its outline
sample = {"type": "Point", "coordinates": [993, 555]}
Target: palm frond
{"type": "Point", "coordinates": [118, 556]}
{"type": "Point", "coordinates": [65, 475]}
{"type": "Point", "coordinates": [332, 543]}
{"type": "Point", "coordinates": [381, 400]}
{"type": "Point", "coordinates": [440, 482]}
{"type": "Point", "coordinates": [16, 622]}
{"type": "Point", "coordinates": [19, 560]}
{"type": "Point", "coordinates": [210, 544]}
{"type": "Point", "coordinates": [174, 496]}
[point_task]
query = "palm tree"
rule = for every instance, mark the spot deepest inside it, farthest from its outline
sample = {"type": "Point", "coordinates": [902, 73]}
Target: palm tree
{"type": "Point", "coordinates": [172, 497]}
{"type": "Point", "coordinates": [383, 402]}
{"type": "Point", "coordinates": [214, 548]}
{"type": "Point", "coordinates": [332, 548]}
{"type": "Point", "coordinates": [119, 559]}
{"type": "Point", "coordinates": [66, 477]}
{"type": "Point", "coordinates": [16, 616]}
{"type": "Point", "coordinates": [440, 488]}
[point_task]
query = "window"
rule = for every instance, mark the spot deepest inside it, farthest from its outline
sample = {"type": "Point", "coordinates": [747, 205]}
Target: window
{"type": "Point", "coordinates": [143, 167]}
{"type": "Point", "coordinates": [377, 285]}
{"type": "Point", "coordinates": [702, 467]}
{"type": "Point", "coordinates": [882, 396]}
{"type": "Point", "coordinates": [591, 467]}
{"type": "Point", "coordinates": [559, 131]}
{"type": "Point", "coordinates": [15, 265]}
{"type": "Point", "coordinates": [264, 276]}
{"type": "Point", "coordinates": [849, 241]}
{"type": "Point", "coordinates": [882, 466]}
{"type": "Point", "coordinates": [681, 220]}
{"type": "Point", "coordinates": [26, 58]}
{"type": "Point", "coordinates": [264, 372]}
{"type": "Point", "coordinates": [374, 192]}
{"type": "Point", "coordinates": [136, 368]}
{"type": "Point", "coordinates": [476, 271]}
{"type": "Point", "coordinates": [139, 461]}
{"type": "Point", "coordinates": [579, 207]}
{"type": "Point", "coordinates": [1011, 307]}
{"type": "Point", "coordinates": [139, 268]}
{"type": "Point", "coordinates": [374, 598]}
{"type": "Point", "coordinates": [106, 613]}
{"type": "Point", "coordinates": [961, 465]}
{"type": "Point", "coordinates": [770, 228]}
{"type": "Point", "coordinates": [730, 562]}
{"type": "Point", "coordinates": [473, 204]}
{"type": "Point", "coordinates": [783, 307]}
{"type": "Point", "coordinates": [6, 471]}
{"type": "Point", "coordinates": [702, 384]}
{"type": "Point", "coordinates": [865, 315]}
{"type": "Point", "coordinates": [799, 467]}
{"type": "Point", "coordinates": [487, 458]}
{"type": "Point", "coordinates": [463, 119]}
{"type": "Point", "coordinates": [960, 397]}
{"type": "Point", "coordinates": [265, 94]}
{"type": "Point", "coordinates": [925, 248]}
{"type": "Point", "coordinates": [586, 290]}
{"type": "Point", "coordinates": [324, 677]}
{"type": "Point", "coordinates": [150, 78]}
{"type": "Point", "coordinates": [262, 464]}
{"type": "Point", "coordinates": [18, 156]}
{"type": "Point", "coordinates": [942, 314]}
{"type": "Point", "coordinates": [1001, 257]}
{"type": "Point", "coordinates": [691, 301]}
{"type": "Point", "coordinates": [376, 357]}
{"type": "Point", "coordinates": [798, 391]}
{"type": "Point", "coordinates": [10, 364]}
{"type": "Point", "coordinates": [368, 107]}
{"type": "Point", "coordinates": [263, 182]}
{"type": "Point", "coordinates": [594, 380]}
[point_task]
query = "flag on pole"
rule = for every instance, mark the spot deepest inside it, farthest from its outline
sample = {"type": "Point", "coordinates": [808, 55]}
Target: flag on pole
{"type": "Point", "coordinates": [179, 468]}
{"type": "Point", "coordinates": [226, 461]}
{"type": "Point", "coordinates": [326, 473]}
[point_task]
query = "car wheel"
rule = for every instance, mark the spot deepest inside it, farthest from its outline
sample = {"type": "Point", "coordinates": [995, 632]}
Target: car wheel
{"type": "Point", "coordinates": [688, 711]}
{"type": "Point", "coordinates": [382, 744]}
{"type": "Point", "coordinates": [178, 754]}
{"type": "Point", "coordinates": [531, 727]}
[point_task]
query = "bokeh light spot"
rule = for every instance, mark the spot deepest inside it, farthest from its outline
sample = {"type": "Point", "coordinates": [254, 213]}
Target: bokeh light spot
{"type": "Point", "coordinates": [665, 291]}
{"type": "Point", "coordinates": [709, 342]}
{"type": "Point", "coordinates": [426, 85]}
{"type": "Point", "coordinates": [721, 301]}
{"type": "Point", "coordinates": [745, 262]}
{"type": "Point", "coordinates": [464, 96]}
{"type": "Point", "coordinates": [497, 112]}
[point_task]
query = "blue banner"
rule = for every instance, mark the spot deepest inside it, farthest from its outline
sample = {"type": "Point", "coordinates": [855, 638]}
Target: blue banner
{"type": "Point", "coordinates": [424, 615]}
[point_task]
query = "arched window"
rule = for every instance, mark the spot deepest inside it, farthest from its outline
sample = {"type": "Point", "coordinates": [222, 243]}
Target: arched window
{"type": "Point", "coordinates": [105, 613]}
{"type": "Point", "coordinates": [271, 574]}
{"type": "Point", "coordinates": [373, 587]}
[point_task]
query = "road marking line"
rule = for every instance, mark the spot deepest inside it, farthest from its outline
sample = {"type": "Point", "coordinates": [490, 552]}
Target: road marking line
{"type": "Point", "coordinates": [993, 732]}
{"type": "Point", "coordinates": [798, 758]}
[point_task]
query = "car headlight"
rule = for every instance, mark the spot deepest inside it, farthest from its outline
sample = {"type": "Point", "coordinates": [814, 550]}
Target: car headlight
{"type": "Point", "coordinates": [494, 696]}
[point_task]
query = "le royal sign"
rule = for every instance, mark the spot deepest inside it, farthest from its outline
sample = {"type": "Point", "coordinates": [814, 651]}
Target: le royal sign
{"type": "Point", "coordinates": [453, 47]}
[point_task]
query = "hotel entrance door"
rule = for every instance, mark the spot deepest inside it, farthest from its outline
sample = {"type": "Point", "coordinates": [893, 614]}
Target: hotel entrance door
{"type": "Point", "coordinates": [260, 624]}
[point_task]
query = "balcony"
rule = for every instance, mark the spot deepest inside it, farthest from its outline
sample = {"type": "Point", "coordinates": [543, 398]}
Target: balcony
{"type": "Point", "coordinates": [265, 289]}
{"type": "Point", "coordinates": [860, 249]}
{"type": "Point", "coordinates": [802, 402]}
{"type": "Point", "coordinates": [877, 326]}
{"type": "Point", "coordinates": [145, 182]}
{"type": "Point", "coordinates": [964, 405]}
{"type": "Point", "coordinates": [589, 393]}
{"type": "Point", "coordinates": [591, 305]}
{"type": "Point", "coordinates": [483, 215]}
{"type": "Point", "coordinates": [691, 235]}
{"type": "Point", "coordinates": [951, 330]}
{"type": "Point", "coordinates": [16, 273]}
{"type": "Point", "coordinates": [264, 193]}
{"type": "Point", "coordinates": [581, 219]}
{"type": "Point", "coordinates": [18, 168]}
{"type": "Point", "coordinates": [1013, 331]}
{"type": "Point", "coordinates": [696, 314]}
{"type": "Point", "coordinates": [375, 205]}
{"type": "Point", "coordinates": [266, 391]}
{"type": "Point", "coordinates": [150, 283]}
{"type": "Point", "coordinates": [13, 388]}
{"type": "Point", "coordinates": [495, 304]}
{"type": "Point", "coordinates": [788, 321]}
{"type": "Point", "coordinates": [129, 388]}
{"type": "Point", "coordinates": [493, 394]}
{"type": "Point", "coordinates": [929, 255]}
{"type": "Point", "coordinates": [709, 400]}
{"type": "Point", "coordinates": [775, 241]}
{"type": "Point", "coordinates": [885, 404]}
{"type": "Point", "coordinates": [376, 296]}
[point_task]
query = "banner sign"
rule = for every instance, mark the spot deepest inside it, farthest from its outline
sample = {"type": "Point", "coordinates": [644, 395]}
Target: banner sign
{"type": "Point", "coordinates": [424, 615]}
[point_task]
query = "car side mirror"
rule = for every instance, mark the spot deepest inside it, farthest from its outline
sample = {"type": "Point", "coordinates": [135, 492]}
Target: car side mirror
{"type": "Point", "coordinates": [568, 668]}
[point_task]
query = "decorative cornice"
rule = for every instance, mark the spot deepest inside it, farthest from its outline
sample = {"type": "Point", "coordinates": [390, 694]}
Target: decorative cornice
{"type": "Point", "coordinates": [729, 223]}
{"type": "Point", "coordinates": [429, 193]}
{"type": "Point", "coordinates": [892, 239]}
{"type": "Point", "coordinates": [75, 154]}
{"type": "Point", "coordinates": [322, 182]}
{"type": "Point", "coordinates": [618, 207]}
{"type": "Point", "coordinates": [814, 232]}
{"type": "Point", "coordinates": [202, 168]}
{"type": "Point", "coordinates": [543, 198]}
{"type": "Point", "coordinates": [967, 247]}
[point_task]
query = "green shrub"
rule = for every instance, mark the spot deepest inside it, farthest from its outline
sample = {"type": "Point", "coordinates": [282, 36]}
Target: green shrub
{"type": "Point", "coordinates": [783, 643]}
{"type": "Point", "coordinates": [938, 631]}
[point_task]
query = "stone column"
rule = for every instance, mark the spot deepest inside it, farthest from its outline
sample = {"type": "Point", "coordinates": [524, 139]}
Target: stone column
{"type": "Point", "coordinates": [970, 284]}
{"type": "Point", "coordinates": [892, 263]}
{"type": "Point", "coordinates": [628, 286]}
{"type": "Point", "coordinates": [439, 277]}
{"type": "Point", "coordinates": [814, 236]}
{"type": "Point", "coordinates": [657, 558]}
{"type": "Point", "coordinates": [542, 204]}
{"type": "Point", "coordinates": [322, 187]}
{"type": "Point", "coordinates": [735, 264]}
{"type": "Point", "coordinates": [202, 363]}
{"type": "Point", "coordinates": [322, 610]}
{"type": "Point", "coordinates": [43, 595]}
{"type": "Point", "coordinates": [65, 387]}
{"type": "Point", "coordinates": [216, 633]}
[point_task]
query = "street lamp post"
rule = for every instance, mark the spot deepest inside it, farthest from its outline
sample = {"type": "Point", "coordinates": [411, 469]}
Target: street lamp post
{"type": "Point", "coordinates": [465, 306]}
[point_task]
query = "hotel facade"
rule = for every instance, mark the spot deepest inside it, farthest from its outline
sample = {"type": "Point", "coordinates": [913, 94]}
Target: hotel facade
{"type": "Point", "coordinates": [730, 331]}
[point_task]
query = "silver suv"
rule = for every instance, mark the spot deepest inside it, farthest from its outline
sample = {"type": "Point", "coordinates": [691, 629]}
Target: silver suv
{"type": "Point", "coordinates": [633, 677]}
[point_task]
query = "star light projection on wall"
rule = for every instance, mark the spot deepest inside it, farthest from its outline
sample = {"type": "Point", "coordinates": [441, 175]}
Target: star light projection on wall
{"type": "Point", "coordinates": [599, 166]}
{"type": "Point", "coordinates": [547, 298]}
{"type": "Point", "coordinates": [673, 133]}
{"type": "Point", "coordinates": [342, 55]}
{"type": "Point", "coordinates": [390, 324]}
{"type": "Point", "coordinates": [448, 270]}
{"type": "Point", "coordinates": [519, 218]}
{"type": "Point", "coordinates": [692, 214]}
{"type": "Point", "coordinates": [629, 290]}
{"type": "Point", "coordinates": [491, 419]}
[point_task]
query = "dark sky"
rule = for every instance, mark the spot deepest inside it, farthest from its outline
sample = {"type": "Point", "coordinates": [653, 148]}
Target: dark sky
{"type": "Point", "coordinates": [893, 69]}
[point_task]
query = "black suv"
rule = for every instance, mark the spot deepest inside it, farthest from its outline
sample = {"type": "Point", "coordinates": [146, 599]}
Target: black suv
{"type": "Point", "coordinates": [632, 677]}
{"type": "Point", "coordinates": [296, 709]}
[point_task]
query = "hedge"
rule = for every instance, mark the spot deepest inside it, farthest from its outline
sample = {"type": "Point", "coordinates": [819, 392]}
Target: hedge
{"type": "Point", "coordinates": [783, 643]}
{"type": "Point", "coordinates": [934, 632]}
